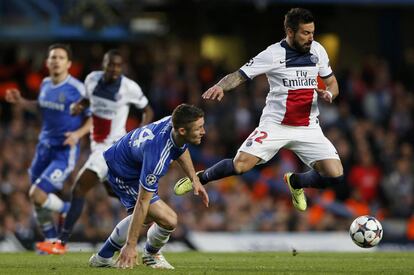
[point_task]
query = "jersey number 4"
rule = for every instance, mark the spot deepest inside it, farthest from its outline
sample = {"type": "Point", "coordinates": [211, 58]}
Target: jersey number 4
{"type": "Point", "coordinates": [146, 134]}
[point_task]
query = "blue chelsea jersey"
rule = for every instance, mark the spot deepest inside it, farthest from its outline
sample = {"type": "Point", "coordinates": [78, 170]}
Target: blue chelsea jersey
{"type": "Point", "coordinates": [143, 155]}
{"type": "Point", "coordinates": [54, 102]}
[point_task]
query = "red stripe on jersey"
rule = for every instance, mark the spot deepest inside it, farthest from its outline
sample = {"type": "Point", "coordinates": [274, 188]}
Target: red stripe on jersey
{"type": "Point", "coordinates": [298, 107]}
{"type": "Point", "coordinates": [101, 128]}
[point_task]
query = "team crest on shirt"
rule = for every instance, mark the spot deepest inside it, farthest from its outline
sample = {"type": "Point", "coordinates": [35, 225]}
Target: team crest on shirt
{"type": "Point", "coordinates": [118, 97]}
{"type": "Point", "coordinates": [62, 97]}
{"type": "Point", "coordinates": [314, 59]}
{"type": "Point", "coordinates": [250, 62]}
{"type": "Point", "coordinates": [151, 179]}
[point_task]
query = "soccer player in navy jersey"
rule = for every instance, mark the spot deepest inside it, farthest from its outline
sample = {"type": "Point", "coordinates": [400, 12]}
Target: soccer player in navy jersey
{"type": "Point", "coordinates": [58, 147]}
{"type": "Point", "coordinates": [289, 119]}
{"type": "Point", "coordinates": [109, 95]}
{"type": "Point", "coordinates": [136, 163]}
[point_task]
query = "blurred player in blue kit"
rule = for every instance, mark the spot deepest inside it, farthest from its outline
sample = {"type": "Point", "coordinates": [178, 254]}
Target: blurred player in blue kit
{"type": "Point", "coordinates": [109, 95]}
{"type": "Point", "coordinates": [58, 147]}
{"type": "Point", "coordinates": [135, 164]}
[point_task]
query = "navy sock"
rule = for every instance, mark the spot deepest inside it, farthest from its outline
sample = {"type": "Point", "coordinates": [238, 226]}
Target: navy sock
{"type": "Point", "coordinates": [314, 180]}
{"type": "Point", "coordinates": [221, 169]}
{"type": "Point", "coordinates": [72, 217]}
{"type": "Point", "coordinates": [109, 248]}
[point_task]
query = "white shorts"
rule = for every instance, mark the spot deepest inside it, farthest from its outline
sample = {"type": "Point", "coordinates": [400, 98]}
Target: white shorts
{"type": "Point", "coordinates": [96, 161]}
{"type": "Point", "coordinates": [308, 143]}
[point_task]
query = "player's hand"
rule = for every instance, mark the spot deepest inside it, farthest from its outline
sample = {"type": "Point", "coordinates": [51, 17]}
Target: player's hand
{"type": "Point", "coordinates": [199, 189]}
{"type": "Point", "coordinates": [13, 96]}
{"type": "Point", "coordinates": [76, 109]}
{"type": "Point", "coordinates": [128, 257]}
{"type": "Point", "coordinates": [215, 92]}
{"type": "Point", "coordinates": [72, 138]}
{"type": "Point", "coordinates": [325, 95]}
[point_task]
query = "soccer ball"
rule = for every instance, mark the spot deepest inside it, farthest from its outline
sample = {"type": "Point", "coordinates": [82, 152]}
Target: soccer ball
{"type": "Point", "coordinates": [366, 231]}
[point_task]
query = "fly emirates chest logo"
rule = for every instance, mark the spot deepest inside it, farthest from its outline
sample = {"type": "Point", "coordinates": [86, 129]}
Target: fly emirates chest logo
{"type": "Point", "coordinates": [300, 80]}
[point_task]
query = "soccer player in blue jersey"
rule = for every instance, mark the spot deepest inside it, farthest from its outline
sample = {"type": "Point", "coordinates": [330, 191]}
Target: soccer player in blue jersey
{"type": "Point", "coordinates": [109, 94]}
{"type": "Point", "coordinates": [136, 163]}
{"type": "Point", "coordinates": [58, 147]}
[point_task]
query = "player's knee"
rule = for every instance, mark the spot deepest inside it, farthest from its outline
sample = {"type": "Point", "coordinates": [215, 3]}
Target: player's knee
{"type": "Point", "coordinates": [36, 196]}
{"type": "Point", "coordinates": [244, 162]}
{"type": "Point", "coordinates": [241, 166]}
{"type": "Point", "coordinates": [337, 171]}
{"type": "Point", "coordinates": [170, 222]}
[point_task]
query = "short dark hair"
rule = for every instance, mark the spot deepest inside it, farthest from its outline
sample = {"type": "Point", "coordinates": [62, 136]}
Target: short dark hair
{"type": "Point", "coordinates": [184, 114]}
{"type": "Point", "coordinates": [62, 46]}
{"type": "Point", "coordinates": [297, 16]}
{"type": "Point", "coordinates": [113, 52]}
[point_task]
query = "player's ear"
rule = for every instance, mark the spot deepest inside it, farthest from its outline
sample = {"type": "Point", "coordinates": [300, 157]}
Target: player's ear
{"type": "Point", "coordinates": [69, 64]}
{"type": "Point", "coordinates": [290, 32]}
{"type": "Point", "coordinates": [182, 131]}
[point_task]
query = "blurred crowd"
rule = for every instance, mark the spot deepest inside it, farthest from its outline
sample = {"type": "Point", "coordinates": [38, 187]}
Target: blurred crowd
{"type": "Point", "coordinates": [371, 125]}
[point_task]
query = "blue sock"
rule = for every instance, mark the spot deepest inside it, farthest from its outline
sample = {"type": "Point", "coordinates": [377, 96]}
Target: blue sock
{"type": "Point", "coordinates": [66, 207]}
{"type": "Point", "coordinates": [221, 169]}
{"type": "Point", "coordinates": [150, 249]}
{"type": "Point", "coordinates": [72, 217]}
{"type": "Point", "coordinates": [49, 231]}
{"type": "Point", "coordinates": [314, 180]}
{"type": "Point", "coordinates": [109, 248]}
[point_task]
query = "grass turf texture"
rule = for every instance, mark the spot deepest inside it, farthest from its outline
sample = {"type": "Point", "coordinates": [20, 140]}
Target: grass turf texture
{"type": "Point", "coordinates": [222, 263]}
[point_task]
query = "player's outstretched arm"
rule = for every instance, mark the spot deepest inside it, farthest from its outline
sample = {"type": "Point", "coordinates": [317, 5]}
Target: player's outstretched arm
{"type": "Point", "coordinates": [187, 164]}
{"type": "Point", "coordinates": [227, 83]}
{"type": "Point", "coordinates": [72, 138]}
{"type": "Point", "coordinates": [15, 97]}
{"type": "Point", "coordinates": [128, 256]}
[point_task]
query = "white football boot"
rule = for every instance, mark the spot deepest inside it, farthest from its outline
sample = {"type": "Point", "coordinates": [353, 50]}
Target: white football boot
{"type": "Point", "coordinates": [96, 261]}
{"type": "Point", "coordinates": [155, 260]}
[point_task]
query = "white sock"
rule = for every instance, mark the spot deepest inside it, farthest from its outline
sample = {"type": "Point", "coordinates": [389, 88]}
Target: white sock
{"type": "Point", "coordinates": [157, 237]}
{"type": "Point", "coordinates": [53, 203]}
{"type": "Point", "coordinates": [119, 234]}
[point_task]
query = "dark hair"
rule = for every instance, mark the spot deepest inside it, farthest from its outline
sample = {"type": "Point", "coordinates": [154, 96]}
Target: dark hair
{"type": "Point", "coordinates": [297, 16]}
{"type": "Point", "coordinates": [184, 114]}
{"type": "Point", "coordinates": [112, 52]}
{"type": "Point", "coordinates": [62, 46]}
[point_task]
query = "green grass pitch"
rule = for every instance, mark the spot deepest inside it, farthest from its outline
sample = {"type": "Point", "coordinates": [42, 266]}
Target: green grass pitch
{"type": "Point", "coordinates": [222, 263]}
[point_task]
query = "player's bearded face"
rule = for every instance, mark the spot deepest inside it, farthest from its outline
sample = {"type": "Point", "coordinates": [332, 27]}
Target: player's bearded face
{"type": "Point", "coordinates": [303, 37]}
{"type": "Point", "coordinates": [57, 62]}
{"type": "Point", "coordinates": [195, 133]}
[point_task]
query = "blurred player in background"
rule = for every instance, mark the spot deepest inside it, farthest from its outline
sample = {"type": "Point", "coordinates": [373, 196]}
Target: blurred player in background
{"type": "Point", "coordinates": [58, 147]}
{"type": "Point", "coordinates": [136, 163]}
{"type": "Point", "coordinates": [109, 95]}
{"type": "Point", "coordinates": [289, 119]}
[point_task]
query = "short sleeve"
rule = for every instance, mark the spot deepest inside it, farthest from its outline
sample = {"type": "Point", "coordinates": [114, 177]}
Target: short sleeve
{"type": "Point", "coordinates": [148, 179]}
{"type": "Point", "coordinates": [88, 85]}
{"type": "Point", "coordinates": [260, 64]}
{"type": "Point", "coordinates": [325, 69]}
{"type": "Point", "coordinates": [136, 96]}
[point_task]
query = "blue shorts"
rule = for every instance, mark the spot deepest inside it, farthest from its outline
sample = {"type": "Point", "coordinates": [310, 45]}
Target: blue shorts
{"type": "Point", "coordinates": [52, 165]}
{"type": "Point", "coordinates": [127, 191]}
